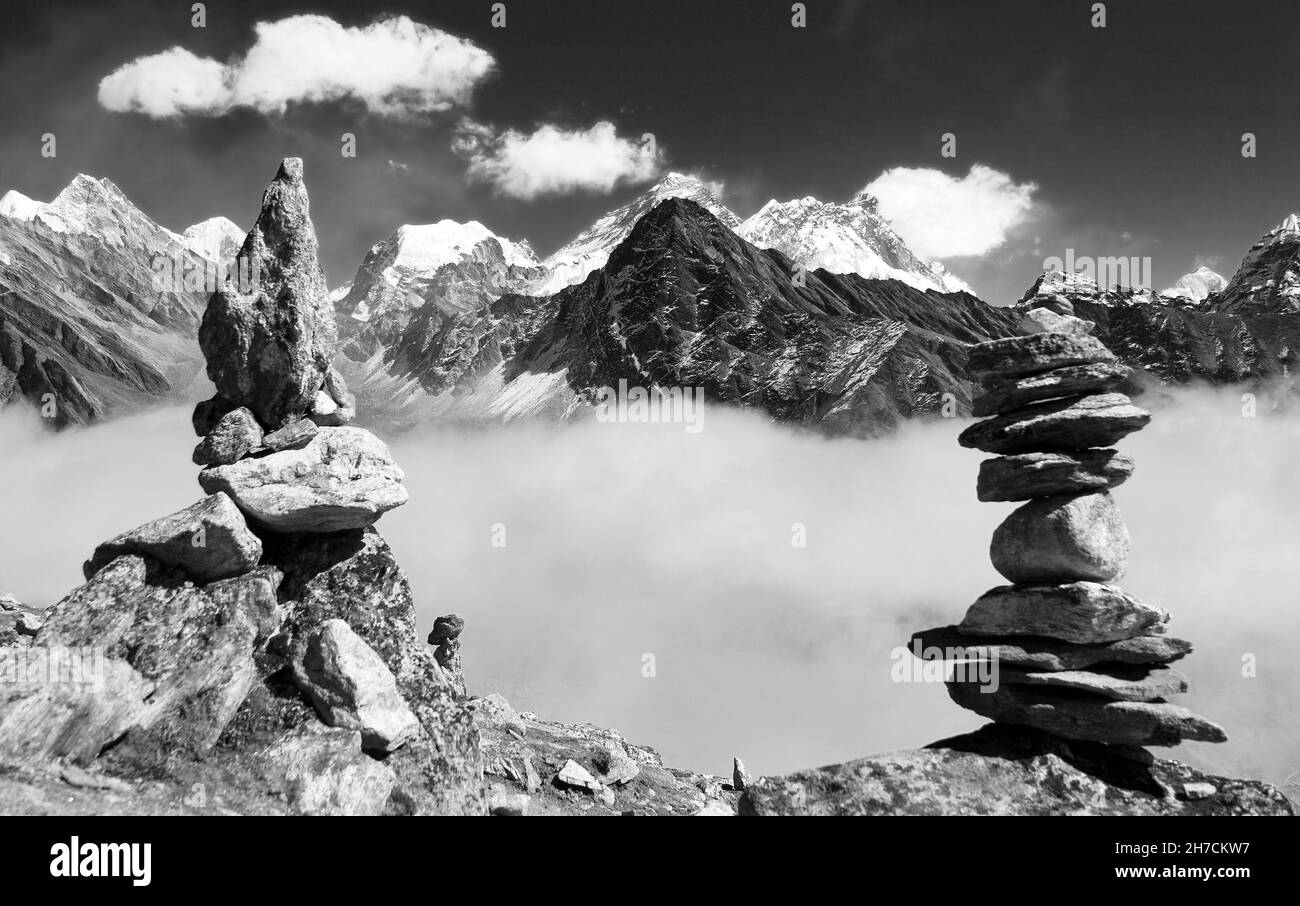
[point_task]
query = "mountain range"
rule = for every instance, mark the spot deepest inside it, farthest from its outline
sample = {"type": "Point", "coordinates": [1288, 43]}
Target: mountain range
{"type": "Point", "coordinates": [816, 313]}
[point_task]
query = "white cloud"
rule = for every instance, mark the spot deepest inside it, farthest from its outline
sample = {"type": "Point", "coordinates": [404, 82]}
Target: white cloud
{"type": "Point", "coordinates": [553, 161]}
{"type": "Point", "coordinates": [942, 216]}
{"type": "Point", "coordinates": [395, 67]}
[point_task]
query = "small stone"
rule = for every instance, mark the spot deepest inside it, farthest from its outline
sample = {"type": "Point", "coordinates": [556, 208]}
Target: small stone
{"type": "Point", "coordinates": [714, 808]}
{"type": "Point", "coordinates": [1065, 424]}
{"type": "Point", "coordinates": [344, 478]}
{"type": "Point", "coordinates": [209, 540]}
{"type": "Point", "coordinates": [1081, 612]}
{"type": "Point", "coordinates": [1061, 539]}
{"type": "Point", "coordinates": [1081, 716]}
{"type": "Point", "coordinates": [532, 780]}
{"type": "Point", "coordinates": [446, 627]}
{"type": "Point", "coordinates": [575, 775]}
{"type": "Point", "coordinates": [1026, 476]}
{"type": "Point", "coordinates": [605, 797]}
{"type": "Point", "coordinates": [739, 775]}
{"type": "Point", "coordinates": [233, 438]}
{"type": "Point", "coordinates": [1019, 356]}
{"type": "Point", "coordinates": [1074, 380]}
{"type": "Point", "coordinates": [1044, 320]}
{"type": "Point", "coordinates": [1133, 685]}
{"type": "Point", "coordinates": [615, 765]}
{"type": "Point", "coordinates": [292, 436]}
{"type": "Point", "coordinates": [711, 787]}
{"type": "Point", "coordinates": [353, 688]}
{"type": "Point", "coordinates": [1199, 790]}
{"type": "Point", "coordinates": [1042, 654]}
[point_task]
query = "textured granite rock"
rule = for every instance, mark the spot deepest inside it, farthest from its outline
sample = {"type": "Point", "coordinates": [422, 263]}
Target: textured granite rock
{"type": "Point", "coordinates": [1062, 539]}
{"type": "Point", "coordinates": [1028, 475]}
{"type": "Point", "coordinates": [1072, 423]}
{"type": "Point", "coordinates": [1082, 612]}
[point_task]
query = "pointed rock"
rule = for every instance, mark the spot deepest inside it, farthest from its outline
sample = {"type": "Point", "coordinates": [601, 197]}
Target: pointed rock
{"type": "Point", "coordinates": [270, 338]}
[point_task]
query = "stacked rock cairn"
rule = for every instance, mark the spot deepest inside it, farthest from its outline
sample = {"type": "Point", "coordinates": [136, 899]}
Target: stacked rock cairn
{"type": "Point", "coordinates": [1076, 656]}
{"type": "Point", "coordinates": [270, 613]}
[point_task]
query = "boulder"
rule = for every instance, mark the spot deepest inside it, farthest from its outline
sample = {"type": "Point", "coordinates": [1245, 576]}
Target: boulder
{"type": "Point", "coordinates": [334, 404]}
{"type": "Point", "coordinates": [269, 339]}
{"type": "Point", "coordinates": [1006, 770]}
{"type": "Point", "coordinates": [18, 622]}
{"type": "Point", "coordinates": [194, 645]}
{"type": "Point", "coordinates": [344, 478]}
{"type": "Point", "coordinates": [1045, 320]}
{"type": "Point", "coordinates": [1082, 612]}
{"type": "Point", "coordinates": [292, 436]}
{"type": "Point", "coordinates": [1081, 715]}
{"type": "Point", "coordinates": [1074, 380]}
{"type": "Point", "coordinates": [1134, 684]}
{"type": "Point", "coordinates": [208, 540]}
{"type": "Point", "coordinates": [231, 439]}
{"type": "Point", "coordinates": [1043, 654]}
{"type": "Point", "coordinates": [353, 688]}
{"type": "Point", "coordinates": [446, 636]}
{"type": "Point", "coordinates": [1065, 424]}
{"type": "Point", "coordinates": [1025, 476]}
{"type": "Point", "coordinates": [1062, 539]}
{"type": "Point", "coordinates": [576, 776]}
{"type": "Point", "coordinates": [325, 773]}
{"type": "Point", "coordinates": [1016, 357]}
{"type": "Point", "coordinates": [353, 577]}
{"type": "Point", "coordinates": [71, 719]}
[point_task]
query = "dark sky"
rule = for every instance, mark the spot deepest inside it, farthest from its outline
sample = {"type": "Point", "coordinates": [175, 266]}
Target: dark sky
{"type": "Point", "coordinates": [1132, 133]}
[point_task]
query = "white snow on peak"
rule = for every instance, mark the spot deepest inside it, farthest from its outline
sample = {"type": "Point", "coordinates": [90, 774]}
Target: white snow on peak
{"type": "Point", "coordinates": [434, 245]}
{"type": "Point", "coordinates": [216, 238]}
{"type": "Point", "coordinates": [17, 206]}
{"type": "Point", "coordinates": [1288, 228]}
{"type": "Point", "coordinates": [844, 238]}
{"type": "Point", "coordinates": [1197, 285]}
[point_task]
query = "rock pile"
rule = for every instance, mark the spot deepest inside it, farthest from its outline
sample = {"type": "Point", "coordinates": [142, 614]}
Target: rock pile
{"type": "Point", "coordinates": [266, 633]}
{"type": "Point", "coordinates": [1077, 657]}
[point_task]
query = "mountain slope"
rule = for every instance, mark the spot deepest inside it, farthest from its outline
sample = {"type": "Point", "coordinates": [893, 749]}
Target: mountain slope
{"type": "Point", "coordinates": [1196, 286]}
{"type": "Point", "coordinates": [848, 238]}
{"type": "Point", "coordinates": [1268, 280]}
{"type": "Point", "coordinates": [591, 248]}
{"type": "Point", "coordinates": [82, 325]}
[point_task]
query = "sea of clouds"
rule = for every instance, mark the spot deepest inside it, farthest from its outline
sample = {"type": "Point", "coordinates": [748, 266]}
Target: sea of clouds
{"type": "Point", "coordinates": [648, 580]}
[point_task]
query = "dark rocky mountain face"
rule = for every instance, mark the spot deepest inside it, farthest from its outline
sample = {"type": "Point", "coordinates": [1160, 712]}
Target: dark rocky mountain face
{"type": "Point", "coordinates": [81, 317]}
{"type": "Point", "coordinates": [683, 301]}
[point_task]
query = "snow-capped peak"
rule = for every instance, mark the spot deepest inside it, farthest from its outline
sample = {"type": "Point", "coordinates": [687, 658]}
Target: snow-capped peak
{"type": "Point", "coordinates": [843, 238]}
{"type": "Point", "coordinates": [591, 248]}
{"type": "Point", "coordinates": [217, 238]}
{"type": "Point", "coordinates": [1289, 228]}
{"type": "Point", "coordinates": [434, 245]}
{"type": "Point", "coordinates": [1197, 285]}
{"type": "Point", "coordinates": [18, 206]}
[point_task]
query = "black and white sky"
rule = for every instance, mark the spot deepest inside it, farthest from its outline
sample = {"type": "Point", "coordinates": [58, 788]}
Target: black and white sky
{"type": "Point", "coordinates": [1122, 140]}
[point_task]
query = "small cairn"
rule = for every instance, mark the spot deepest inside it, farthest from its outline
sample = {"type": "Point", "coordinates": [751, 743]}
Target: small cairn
{"type": "Point", "coordinates": [1076, 656]}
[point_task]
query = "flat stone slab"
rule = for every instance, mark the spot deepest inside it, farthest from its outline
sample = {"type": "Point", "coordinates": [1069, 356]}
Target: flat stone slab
{"type": "Point", "coordinates": [344, 478]}
{"type": "Point", "coordinates": [1138, 684]}
{"type": "Point", "coordinates": [1074, 380]}
{"type": "Point", "coordinates": [1081, 612]}
{"type": "Point", "coordinates": [1079, 715]}
{"type": "Point", "coordinates": [1043, 654]}
{"type": "Point", "coordinates": [1074, 423]}
{"type": "Point", "coordinates": [1026, 476]}
{"type": "Point", "coordinates": [207, 541]}
{"type": "Point", "coordinates": [1062, 539]}
{"type": "Point", "coordinates": [1016, 357]}
{"type": "Point", "coordinates": [1045, 320]}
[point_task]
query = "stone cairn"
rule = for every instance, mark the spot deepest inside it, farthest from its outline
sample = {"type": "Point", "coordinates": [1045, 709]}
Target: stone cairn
{"type": "Point", "coordinates": [1077, 657]}
{"type": "Point", "coordinates": [270, 613]}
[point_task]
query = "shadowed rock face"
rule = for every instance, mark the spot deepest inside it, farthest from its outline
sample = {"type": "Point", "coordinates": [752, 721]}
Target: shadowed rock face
{"type": "Point", "coordinates": [269, 344]}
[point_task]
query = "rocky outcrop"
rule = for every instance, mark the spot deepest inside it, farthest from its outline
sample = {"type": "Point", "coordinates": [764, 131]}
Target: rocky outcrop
{"type": "Point", "coordinates": [1003, 770]}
